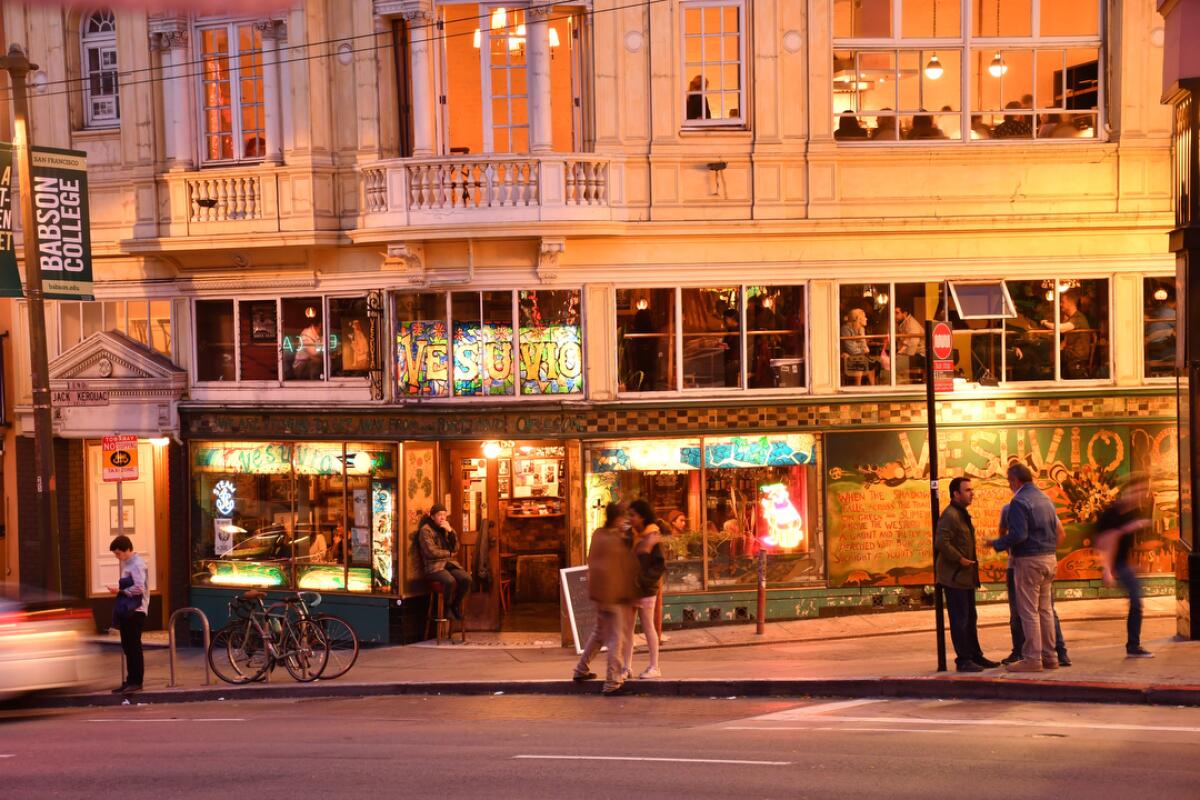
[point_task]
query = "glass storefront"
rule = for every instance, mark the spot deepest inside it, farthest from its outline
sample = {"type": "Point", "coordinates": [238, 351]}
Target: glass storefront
{"type": "Point", "coordinates": [304, 515]}
{"type": "Point", "coordinates": [720, 499]}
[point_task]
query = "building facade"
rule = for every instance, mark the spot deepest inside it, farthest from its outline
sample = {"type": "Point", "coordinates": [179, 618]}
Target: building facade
{"type": "Point", "coordinates": [356, 258]}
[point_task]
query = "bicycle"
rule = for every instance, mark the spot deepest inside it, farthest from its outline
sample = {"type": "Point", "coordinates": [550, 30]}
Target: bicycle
{"type": "Point", "coordinates": [259, 637]}
{"type": "Point", "coordinates": [339, 634]}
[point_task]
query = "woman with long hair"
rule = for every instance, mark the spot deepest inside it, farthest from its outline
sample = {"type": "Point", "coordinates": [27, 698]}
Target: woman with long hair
{"type": "Point", "coordinates": [652, 564]}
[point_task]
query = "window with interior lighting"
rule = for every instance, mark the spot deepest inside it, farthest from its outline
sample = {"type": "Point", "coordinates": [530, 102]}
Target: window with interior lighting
{"type": "Point", "coordinates": [735, 337]}
{"type": "Point", "coordinates": [881, 341]}
{"type": "Point", "coordinates": [967, 70]}
{"type": "Point", "coordinates": [488, 344]}
{"type": "Point", "coordinates": [233, 121]}
{"type": "Point", "coordinates": [713, 62]}
{"type": "Point", "coordinates": [1160, 323]}
{"type": "Point", "coordinates": [98, 40]}
{"type": "Point", "coordinates": [485, 88]}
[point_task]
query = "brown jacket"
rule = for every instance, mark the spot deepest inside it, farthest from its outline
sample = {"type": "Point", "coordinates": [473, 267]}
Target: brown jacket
{"type": "Point", "coordinates": [612, 568]}
{"type": "Point", "coordinates": [438, 546]}
{"type": "Point", "coordinates": [955, 540]}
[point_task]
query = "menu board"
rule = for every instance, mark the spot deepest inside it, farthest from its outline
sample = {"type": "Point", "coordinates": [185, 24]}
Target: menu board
{"type": "Point", "coordinates": [580, 608]}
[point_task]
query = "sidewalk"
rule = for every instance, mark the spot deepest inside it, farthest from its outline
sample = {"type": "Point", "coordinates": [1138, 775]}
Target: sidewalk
{"type": "Point", "coordinates": [873, 655]}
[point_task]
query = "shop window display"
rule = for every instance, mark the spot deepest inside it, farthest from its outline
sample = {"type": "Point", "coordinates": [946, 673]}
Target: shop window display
{"type": "Point", "coordinates": [309, 515]}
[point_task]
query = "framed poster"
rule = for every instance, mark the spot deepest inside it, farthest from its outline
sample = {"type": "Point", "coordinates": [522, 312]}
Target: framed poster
{"type": "Point", "coordinates": [114, 524]}
{"type": "Point", "coordinates": [264, 326]}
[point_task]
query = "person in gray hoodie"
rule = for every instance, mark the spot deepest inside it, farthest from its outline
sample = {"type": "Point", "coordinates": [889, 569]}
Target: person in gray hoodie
{"type": "Point", "coordinates": [133, 603]}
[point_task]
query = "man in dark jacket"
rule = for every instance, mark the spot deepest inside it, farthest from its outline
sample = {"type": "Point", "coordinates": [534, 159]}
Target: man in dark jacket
{"type": "Point", "coordinates": [439, 543]}
{"type": "Point", "coordinates": [957, 572]}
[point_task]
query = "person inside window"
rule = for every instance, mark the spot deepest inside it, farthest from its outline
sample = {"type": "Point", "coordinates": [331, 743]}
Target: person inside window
{"type": "Point", "coordinates": [886, 129]}
{"type": "Point", "coordinates": [1160, 334]}
{"type": "Point", "coordinates": [1077, 337]}
{"type": "Point", "coordinates": [856, 360]}
{"type": "Point", "coordinates": [307, 364]}
{"type": "Point", "coordinates": [923, 127]}
{"type": "Point", "coordinates": [732, 345]}
{"type": "Point", "coordinates": [849, 127]}
{"type": "Point", "coordinates": [979, 128]}
{"type": "Point", "coordinates": [910, 343]}
{"type": "Point", "coordinates": [697, 103]}
{"type": "Point", "coordinates": [1015, 126]}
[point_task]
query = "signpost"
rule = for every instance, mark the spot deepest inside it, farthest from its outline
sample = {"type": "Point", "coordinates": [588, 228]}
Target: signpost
{"type": "Point", "coordinates": [120, 464]}
{"type": "Point", "coordinates": [939, 344]}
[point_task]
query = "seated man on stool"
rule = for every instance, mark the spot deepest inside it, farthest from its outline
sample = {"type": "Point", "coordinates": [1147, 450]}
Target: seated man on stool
{"type": "Point", "coordinates": [438, 545]}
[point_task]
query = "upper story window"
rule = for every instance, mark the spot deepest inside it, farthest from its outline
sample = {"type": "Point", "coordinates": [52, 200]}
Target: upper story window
{"type": "Point", "coordinates": [714, 59]}
{"type": "Point", "coordinates": [98, 40]}
{"type": "Point", "coordinates": [233, 120]}
{"type": "Point", "coordinates": [485, 87]}
{"type": "Point", "coordinates": [487, 344]}
{"type": "Point", "coordinates": [736, 337]}
{"type": "Point", "coordinates": [299, 339]}
{"type": "Point", "coordinates": [146, 321]}
{"type": "Point", "coordinates": [966, 70]}
{"type": "Point", "coordinates": [1160, 323]}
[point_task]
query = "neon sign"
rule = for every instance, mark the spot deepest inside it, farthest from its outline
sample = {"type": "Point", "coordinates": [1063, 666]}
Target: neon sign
{"type": "Point", "coordinates": [224, 491]}
{"type": "Point", "coordinates": [783, 523]}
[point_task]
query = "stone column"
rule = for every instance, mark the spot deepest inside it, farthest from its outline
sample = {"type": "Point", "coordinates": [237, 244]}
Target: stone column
{"type": "Point", "coordinates": [273, 32]}
{"type": "Point", "coordinates": [421, 38]}
{"type": "Point", "coordinates": [179, 135]}
{"type": "Point", "coordinates": [537, 64]}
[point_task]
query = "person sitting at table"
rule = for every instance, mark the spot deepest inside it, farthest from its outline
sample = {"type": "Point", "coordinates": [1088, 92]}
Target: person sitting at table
{"type": "Point", "coordinates": [856, 359]}
{"type": "Point", "coordinates": [849, 127]}
{"type": "Point", "coordinates": [910, 344]}
{"type": "Point", "coordinates": [885, 128]}
{"type": "Point", "coordinates": [1076, 337]}
{"type": "Point", "coordinates": [1015, 126]}
{"type": "Point", "coordinates": [1160, 334]}
{"type": "Point", "coordinates": [923, 127]}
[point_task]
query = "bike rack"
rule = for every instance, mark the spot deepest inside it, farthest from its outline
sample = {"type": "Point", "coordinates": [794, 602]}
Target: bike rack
{"type": "Point", "coordinates": [171, 642]}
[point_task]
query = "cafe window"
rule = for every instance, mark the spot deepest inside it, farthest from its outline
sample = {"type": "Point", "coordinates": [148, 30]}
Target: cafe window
{"type": "Point", "coordinates": [306, 515]}
{"type": "Point", "coordinates": [286, 339]}
{"type": "Point", "coordinates": [713, 63]}
{"type": "Point", "coordinates": [1019, 70]}
{"type": "Point", "coordinates": [881, 341]}
{"type": "Point", "coordinates": [719, 500]}
{"type": "Point", "coordinates": [488, 344]}
{"type": "Point", "coordinates": [1160, 324]}
{"type": "Point", "coordinates": [711, 338]}
{"type": "Point", "coordinates": [148, 322]}
{"type": "Point", "coordinates": [1061, 331]}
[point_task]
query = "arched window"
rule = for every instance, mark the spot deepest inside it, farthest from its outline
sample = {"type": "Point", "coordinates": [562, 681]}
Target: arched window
{"type": "Point", "coordinates": [98, 37]}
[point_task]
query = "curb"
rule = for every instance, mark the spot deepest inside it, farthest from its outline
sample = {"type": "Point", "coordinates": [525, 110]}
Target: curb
{"type": "Point", "coordinates": [1012, 689]}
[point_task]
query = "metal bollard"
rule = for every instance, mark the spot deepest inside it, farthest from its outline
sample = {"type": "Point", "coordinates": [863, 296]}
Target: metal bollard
{"type": "Point", "coordinates": [171, 642]}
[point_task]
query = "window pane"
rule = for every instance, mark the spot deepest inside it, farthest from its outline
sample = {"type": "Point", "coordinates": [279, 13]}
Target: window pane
{"type": "Point", "coordinates": [114, 315]}
{"type": "Point", "coordinates": [862, 19]}
{"type": "Point", "coordinates": [353, 337]}
{"type": "Point", "coordinates": [1004, 18]}
{"type": "Point", "coordinates": [551, 344]}
{"type": "Point", "coordinates": [712, 338]}
{"type": "Point", "coordinates": [303, 339]}
{"type": "Point", "coordinates": [93, 318]}
{"type": "Point", "coordinates": [214, 340]}
{"type": "Point", "coordinates": [160, 326]}
{"type": "Point", "coordinates": [70, 325]}
{"type": "Point", "coordinates": [1159, 318]}
{"type": "Point", "coordinates": [712, 63]}
{"type": "Point", "coordinates": [926, 19]}
{"type": "Point", "coordinates": [259, 328]}
{"type": "Point", "coordinates": [1070, 18]}
{"type": "Point", "coordinates": [1029, 337]}
{"type": "Point", "coordinates": [775, 329]}
{"type": "Point", "coordinates": [645, 343]}
{"type": "Point", "coordinates": [864, 334]}
{"type": "Point", "coordinates": [876, 80]}
{"type": "Point", "coordinates": [1082, 79]}
{"type": "Point", "coordinates": [483, 343]}
{"type": "Point", "coordinates": [139, 321]}
{"type": "Point", "coordinates": [1083, 329]}
{"type": "Point", "coordinates": [422, 346]}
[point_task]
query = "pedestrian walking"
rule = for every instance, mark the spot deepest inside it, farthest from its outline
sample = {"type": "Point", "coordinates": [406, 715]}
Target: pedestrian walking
{"type": "Point", "coordinates": [612, 571]}
{"type": "Point", "coordinates": [652, 564]}
{"type": "Point", "coordinates": [129, 614]}
{"type": "Point", "coordinates": [1014, 619]}
{"type": "Point", "coordinates": [1116, 529]}
{"type": "Point", "coordinates": [957, 570]}
{"type": "Point", "coordinates": [1034, 533]}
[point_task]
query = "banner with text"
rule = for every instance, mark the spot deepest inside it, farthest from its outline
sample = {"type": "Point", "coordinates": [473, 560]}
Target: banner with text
{"type": "Point", "coordinates": [10, 276]}
{"type": "Point", "coordinates": [60, 210]}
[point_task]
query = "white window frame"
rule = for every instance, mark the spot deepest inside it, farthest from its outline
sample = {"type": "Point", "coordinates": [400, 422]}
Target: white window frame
{"type": "Point", "coordinates": [233, 57]}
{"type": "Point", "coordinates": [105, 325]}
{"type": "Point", "coordinates": [1147, 378]}
{"type": "Point", "coordinates": [740, 121]}
{"type": "Point", "coordinates": [103, 43]}
{"type": "Point", "coordinates": [966, 44]}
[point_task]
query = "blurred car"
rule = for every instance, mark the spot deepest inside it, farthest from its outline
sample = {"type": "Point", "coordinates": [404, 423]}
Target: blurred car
{"type": "Point", "coordinates": [43, 644]}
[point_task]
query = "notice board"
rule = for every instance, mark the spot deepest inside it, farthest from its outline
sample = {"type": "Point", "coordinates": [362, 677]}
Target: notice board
{"type": "Point", "coordinates": [581, 609]}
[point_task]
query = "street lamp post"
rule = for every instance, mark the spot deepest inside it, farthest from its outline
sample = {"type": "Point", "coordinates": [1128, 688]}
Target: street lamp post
{"type": "Point", "coordinates": [18, 66]}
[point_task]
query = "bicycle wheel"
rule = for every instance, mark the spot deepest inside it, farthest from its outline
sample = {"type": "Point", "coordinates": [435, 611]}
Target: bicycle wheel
{"type": "Point", "coordinates": [218, 656]}
{"type": "Point", "coordinates": [305, 650]}
{"type": "Point", "coordinates": [343, 645]}
{"type": "Point", "coordinates": [248, 652]}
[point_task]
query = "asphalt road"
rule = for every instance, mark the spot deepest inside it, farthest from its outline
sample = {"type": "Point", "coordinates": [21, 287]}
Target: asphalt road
{"type": "Point", "coordinates": [596, 747]}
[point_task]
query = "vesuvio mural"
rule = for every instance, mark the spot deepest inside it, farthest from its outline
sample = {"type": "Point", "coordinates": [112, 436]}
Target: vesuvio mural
{"type": "Point", "coordinates": [877, 495]}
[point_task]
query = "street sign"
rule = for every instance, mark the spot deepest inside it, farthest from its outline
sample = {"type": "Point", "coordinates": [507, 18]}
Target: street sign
{"type": "Point", "coordinates": [120, 458]}
{"type": "Point", "coordinates": [80, 397]}
{"type": "Point", "coordinates": [943, 341]}
{"type": "Point", "coordinates": [943, 365]}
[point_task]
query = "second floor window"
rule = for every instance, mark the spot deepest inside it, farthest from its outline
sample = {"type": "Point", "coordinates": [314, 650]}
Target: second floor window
{"type": "Point", "coordinates": [966, 69]}
{"type": "Point", "coordinates": [713, 63]}
{"type": "Point", "coordinates": [1160, 322]}
{"type": "Point", "coordinates": [146, 321]}
{"type": "Point", "coordinates": [98, 37]}
{"type": "Point", "coordinates": [233, 120]}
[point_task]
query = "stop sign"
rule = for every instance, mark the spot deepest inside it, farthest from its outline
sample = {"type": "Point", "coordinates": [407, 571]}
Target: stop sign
{"type": "Point", "coordinates": [943, 341]}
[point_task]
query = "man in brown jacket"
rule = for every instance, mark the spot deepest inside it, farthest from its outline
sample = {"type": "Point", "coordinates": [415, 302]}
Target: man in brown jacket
{"type": "Point", "coordinates": [957, 572]}
{"type": "Point", "coordinates": [612, 574]}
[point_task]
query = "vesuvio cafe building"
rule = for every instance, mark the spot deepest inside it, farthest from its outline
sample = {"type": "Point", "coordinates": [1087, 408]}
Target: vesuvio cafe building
{"type": "Point", "coordinates": [487, 409]}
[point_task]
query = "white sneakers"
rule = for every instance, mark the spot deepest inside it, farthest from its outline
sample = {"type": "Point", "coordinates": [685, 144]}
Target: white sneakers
{"type": "Point", "coordinates": [650, 672]}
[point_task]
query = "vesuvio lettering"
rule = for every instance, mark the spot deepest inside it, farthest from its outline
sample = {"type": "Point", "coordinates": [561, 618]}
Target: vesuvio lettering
{"type": "Point", "coordinates": [58, 216]}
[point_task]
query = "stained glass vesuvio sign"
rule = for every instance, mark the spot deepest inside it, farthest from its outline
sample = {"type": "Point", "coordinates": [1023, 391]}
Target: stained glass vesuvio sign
{"type": "Point", "coordinates": [549, 359]}
{"type": "Point", "coordinates": [719, 452]}
{"type": "Point", "coordinates": [263, 458]}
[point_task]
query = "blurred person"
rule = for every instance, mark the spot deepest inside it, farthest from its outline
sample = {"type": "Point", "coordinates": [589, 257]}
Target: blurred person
{"type": "Point", "coordinates": [1116, 529]}
{"type": "Point", "coordinates": [133, 604]}
{"type": "Point", "coordinates": [957, 572]}
{"type": "Point", "coordinates": [885, 128]}
{"type": "Point", "coordinates": [849, 127]}
{"type": "Point", "coordinates": [979, 128]}
{"type": "Point", "coordinates": [923, 127]}
{"type": "Point", "coordinates": [647, 547]}
{"type": "Point", "coordinates": [1016, 634]}
{"type": "Point", "coordinates": [612, 573]}
{"type": "Point", "coordinates": [1034, 533]}
{"type": "Point", "coordinates": [697, 103]}
{"type": "Point", "coordinates": [1014, 126]}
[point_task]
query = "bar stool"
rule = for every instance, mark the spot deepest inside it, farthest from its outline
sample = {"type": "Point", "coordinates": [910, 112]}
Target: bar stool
{"type": "Point", "coordinates": [438, 618]}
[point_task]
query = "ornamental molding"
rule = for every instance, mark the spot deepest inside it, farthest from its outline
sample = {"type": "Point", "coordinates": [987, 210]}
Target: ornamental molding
{"type": "Point", "coordinates": [410, 10]}
{"type": "Point", "coordinates": [409, 259]}
{"type": "Point", "coordinates": [112, 361]}
{"type": "Point", "coordinates": [549, 250]}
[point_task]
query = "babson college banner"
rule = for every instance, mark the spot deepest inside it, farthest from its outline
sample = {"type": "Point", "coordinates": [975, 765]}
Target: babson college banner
{"type": "Point", "coordinates": [60, 218]}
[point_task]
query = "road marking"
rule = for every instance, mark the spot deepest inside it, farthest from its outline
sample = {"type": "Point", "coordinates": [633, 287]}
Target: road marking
{"type": "Point", "coordinates": [1006, 723]}
{"type": "Point", "coordinates": [647, 758]}
{"type": "Point", "coordinates": [171, 719]}
{"type": "Point", "coordinates": [803, 712]}
{"type": "Point", "coordinates": [835, 728]}
{"type": "Point", "coordinates": [8, 755]}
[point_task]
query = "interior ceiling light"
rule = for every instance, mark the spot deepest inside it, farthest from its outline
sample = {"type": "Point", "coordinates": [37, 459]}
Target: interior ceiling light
{"type": "Point", "coordinates": [933, 69]}
{"type": "Point", "coordinates": [500, 18]}
{"type": "Point", "coordinates": [1160, 294]}
{"type": "Point", "coordinates": [997, 67]}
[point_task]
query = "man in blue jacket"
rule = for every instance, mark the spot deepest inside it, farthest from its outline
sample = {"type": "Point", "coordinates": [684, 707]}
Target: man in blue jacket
{"type": "Point", "coordinates": [1034, 533]}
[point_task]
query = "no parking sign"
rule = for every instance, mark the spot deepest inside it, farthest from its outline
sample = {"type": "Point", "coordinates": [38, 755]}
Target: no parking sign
{"type": "Point", "coordinates": [120, 458]}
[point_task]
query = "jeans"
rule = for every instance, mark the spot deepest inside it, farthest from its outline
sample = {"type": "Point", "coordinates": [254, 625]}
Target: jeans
{"type": "Point", "coordinates": [131, 643]}
{"type": "Point", "coordinates": [455, 583]}
{"type": "Point", "coordinates": [964, 632]}
{"type": "Point", "coordinates": [1014, 623]}
{"type": "Point", "coordinates": [1133, 626]}
{"type": "Point", "coordinates": [610, 631]}
{"type": "Point", "coordinates": [1033, 578]}
{"type": "Point", "coordinates": [642, 608]}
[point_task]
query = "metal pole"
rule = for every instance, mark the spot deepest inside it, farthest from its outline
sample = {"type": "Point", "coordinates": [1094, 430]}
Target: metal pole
{"type": "Point", "coordinates": [120, 508]}
{"type": "Point", "coordinates": [761, 626]}
{"type": "Point", "coordinates": [934, 503]}
{"type": "Point", "coordinates": [18, 66]}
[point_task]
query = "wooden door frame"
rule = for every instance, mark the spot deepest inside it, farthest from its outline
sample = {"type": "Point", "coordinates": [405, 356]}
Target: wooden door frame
{"type": "Point", "coordinates": [483, 608]}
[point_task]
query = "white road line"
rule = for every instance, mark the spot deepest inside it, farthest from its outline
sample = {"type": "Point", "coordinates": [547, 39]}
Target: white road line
{"type": "Point", "coordinates": [1006, 723]}
{"type": "Point", "coordinates": [173, 719]}
{"type": "Point", "coordinates": [8, 755]}
{"type": "Point", "coordinates": [833, 728]}
{"type": "Point", "coordinates": [646, 758]}
{"type": "Point", "coordinates": [803, 712]}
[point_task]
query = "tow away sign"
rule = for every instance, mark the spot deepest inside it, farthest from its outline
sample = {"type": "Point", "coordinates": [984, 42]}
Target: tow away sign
{"type": "Point", "coordinates": [120, 458]}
